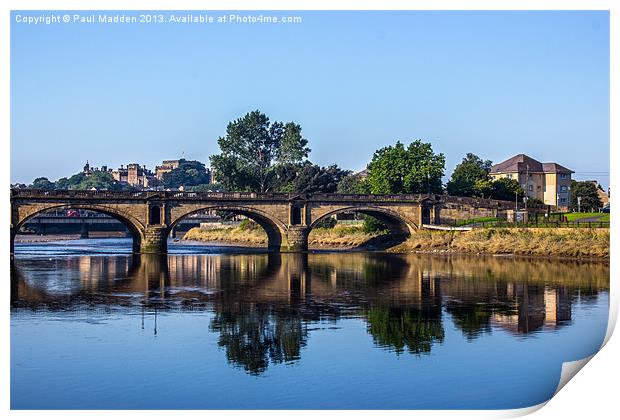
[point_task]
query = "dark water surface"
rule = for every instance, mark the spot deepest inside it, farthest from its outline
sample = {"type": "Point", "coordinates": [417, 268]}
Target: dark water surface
{"type": "Point", "coordinates": [94, 327]}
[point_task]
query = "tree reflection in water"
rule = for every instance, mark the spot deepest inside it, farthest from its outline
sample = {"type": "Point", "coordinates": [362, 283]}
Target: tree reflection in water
{"type": "Point", "coordinates": [402, 328]}
{"type": "Point", "coordinates": [263, 305]}
{"type": "Point", "coordinates": [255, 335]}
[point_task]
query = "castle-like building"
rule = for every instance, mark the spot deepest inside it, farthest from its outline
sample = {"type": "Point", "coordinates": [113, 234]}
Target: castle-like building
{"type": "Point", "coordinates": [136, 175]}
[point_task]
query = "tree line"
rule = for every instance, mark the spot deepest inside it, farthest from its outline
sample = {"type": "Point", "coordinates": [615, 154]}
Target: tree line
{"type": "Point", "coordinates": [259, 155]}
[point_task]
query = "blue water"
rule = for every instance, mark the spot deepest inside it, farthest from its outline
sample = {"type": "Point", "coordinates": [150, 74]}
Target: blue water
{"type": "Point", "coordinates": [93, 327]}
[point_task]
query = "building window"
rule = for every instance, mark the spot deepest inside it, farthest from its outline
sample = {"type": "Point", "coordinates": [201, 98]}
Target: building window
{"type": "Point", "coordinates": [530, 187]}
{"type": "Point", "coordinates": [509, 176]}
{"type": "Point", "coordinates": [562, 200]}
{"type": "Point", "coordinates": [563, 188]}
{"type": "Point", "coordinates": [564, 176]}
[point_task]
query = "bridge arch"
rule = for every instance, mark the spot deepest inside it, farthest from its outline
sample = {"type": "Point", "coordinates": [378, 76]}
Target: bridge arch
{"type": "Point", "coordinates": [134, 226]}
{"type": "Point", "coordinates": [399, 225]}
{"type": "Point", "coordinates": [275, 229]}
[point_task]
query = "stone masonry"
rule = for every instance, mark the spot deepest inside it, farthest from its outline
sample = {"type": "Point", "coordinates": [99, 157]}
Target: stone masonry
{"type": "Point", "coordinates": [286, 218]}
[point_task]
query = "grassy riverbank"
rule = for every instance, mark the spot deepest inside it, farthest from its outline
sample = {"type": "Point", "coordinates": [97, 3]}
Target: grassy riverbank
{"type": "Point", "coordinates": [556, 242]}
{"type": "Point", "coordinates": [239, 234]}
{"type": "Point", "coordinates": [338, 237]}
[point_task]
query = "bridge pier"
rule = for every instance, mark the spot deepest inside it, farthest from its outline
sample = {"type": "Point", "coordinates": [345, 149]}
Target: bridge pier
{"type": "Point", "coordinates": [84, 231]}
{"type": "Point", "coordinates": [155, 240]}
{"type": "Point", "coordinates": [296, 239]}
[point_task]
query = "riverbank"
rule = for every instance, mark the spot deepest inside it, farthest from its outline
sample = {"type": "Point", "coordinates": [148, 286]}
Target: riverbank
{"type": "Point", "coordinates": [548, 242]}
{"type": "Point", "coordinates": [541, 242]}
{"type": "Point", "coordinates": [339, 237]}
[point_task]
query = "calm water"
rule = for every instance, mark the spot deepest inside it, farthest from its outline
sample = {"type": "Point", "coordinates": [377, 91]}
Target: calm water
{"type": "Point", "coordinates": [92, 327]}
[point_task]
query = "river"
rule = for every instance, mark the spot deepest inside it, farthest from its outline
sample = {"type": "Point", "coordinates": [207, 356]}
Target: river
{"type": "Point", "coordinates": [94, 327]}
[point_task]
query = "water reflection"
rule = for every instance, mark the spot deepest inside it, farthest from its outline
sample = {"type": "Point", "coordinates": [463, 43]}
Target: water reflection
{"type": "Point", "coordinates": [264, 306]}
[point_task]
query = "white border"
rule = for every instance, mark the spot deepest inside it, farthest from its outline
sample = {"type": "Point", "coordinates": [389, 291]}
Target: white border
{"type": "Point", "coordinates": [593, 394]}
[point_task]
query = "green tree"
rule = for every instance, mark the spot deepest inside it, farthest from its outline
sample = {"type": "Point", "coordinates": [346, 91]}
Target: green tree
{"type": "Point", "coordinates": [505, 189]}
{"type": "Point", "coordinates": [469, 177]}
{"type": "Point", "coordinates": [310, 178]}
{"type": "Point", "coordinates": [214, 187]}
{"type": "Point", "coordinates": [415, 169]}
{"type": "Point", "coordinates": [42, 183]}
{"type": "Point", "coordinates": [353, 184]}
{"type": "Point", "coordinates": [293, 147]}
{"type": "Point", "coordinates": [284, 175]}
{"type": "Point", "coordinates": [372, 224]}
{"type": "Point", "coordinates": [189, 173]}
{"type": "Point", "coordinates": [97, 179]}
{"type": "Point", "coordinates": [251, 149]}
{"type": "Point", "coordinates": [483, 188]}
{"type": "Point", "coordinates": [590, 200]}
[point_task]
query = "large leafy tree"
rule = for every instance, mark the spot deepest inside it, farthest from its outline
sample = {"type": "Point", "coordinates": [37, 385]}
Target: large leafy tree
{"type": "Point", "coordinates": [251, 149]}
{"type": "Point", "coordinates": [590, 200]}
{"type": "Point", "coordinates": [293, 147]}
{"type": "Point", "coordinates": [214, 187]}
{"type": "Point", "coordinates": [353, 184]}
{"type": "Point", "coordinates": [317, 179]}
{"type": "Point", "coordinates": [42, 183]}
{"type": "Point", "coordinates": [470, 177]}
{"type": "Point", "coordinates": [98, 180]}
{"type": "Point", "coordinates": [309, 178]}
{"type": "Point", "coordinates": [506, 189]}
{"type": "Point", "coordinates": [415, 169]}
{"type": "Point", "coordinates": [189, 173]}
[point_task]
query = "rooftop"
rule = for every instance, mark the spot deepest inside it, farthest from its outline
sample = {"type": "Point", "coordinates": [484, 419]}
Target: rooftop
{"type": "Point", "coordinates": [523, 163]}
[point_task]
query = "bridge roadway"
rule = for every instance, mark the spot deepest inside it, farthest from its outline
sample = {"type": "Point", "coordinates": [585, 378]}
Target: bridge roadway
{"type": "Point", "coordinates": [286, 218]}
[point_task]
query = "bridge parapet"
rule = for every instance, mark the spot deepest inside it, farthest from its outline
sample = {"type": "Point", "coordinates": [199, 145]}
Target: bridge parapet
{"type": "Point", "coordinates": [198, 196]}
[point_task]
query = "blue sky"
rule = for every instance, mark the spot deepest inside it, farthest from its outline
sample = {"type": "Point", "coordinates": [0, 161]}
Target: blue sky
{"type": "Point", "coordinates": [492, 83]}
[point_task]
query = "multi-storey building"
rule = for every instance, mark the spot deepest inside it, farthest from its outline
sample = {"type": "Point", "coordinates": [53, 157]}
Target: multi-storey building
{"type": "Point", "coordinates": [547, 182]}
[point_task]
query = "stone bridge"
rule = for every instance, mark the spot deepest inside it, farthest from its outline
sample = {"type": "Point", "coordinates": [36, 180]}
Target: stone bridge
{"type": "Point", "coordinates": [286, 218]}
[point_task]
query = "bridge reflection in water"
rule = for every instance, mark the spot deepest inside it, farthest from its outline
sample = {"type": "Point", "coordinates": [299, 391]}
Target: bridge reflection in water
{"type": "Point", "coordinates": [264, 306]}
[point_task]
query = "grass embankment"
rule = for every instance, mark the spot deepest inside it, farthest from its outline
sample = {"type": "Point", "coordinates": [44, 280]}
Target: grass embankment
{"type": "Point", "coordinates": [240, 234]}
{"type": "Point", "coordinates": [340, 236]}
{"type": "Point", "coordinates": [576, 217]}
{"type": "Point", "coordinates": [558, 242]}
{"type": "Point", "coordinates": [564, 242]}
{"type": "Point", "coordinates": [250, 233]}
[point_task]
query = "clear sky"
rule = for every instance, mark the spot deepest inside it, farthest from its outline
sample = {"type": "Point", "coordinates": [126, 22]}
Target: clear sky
{"type": "Point", "coordinates": [492, 83]}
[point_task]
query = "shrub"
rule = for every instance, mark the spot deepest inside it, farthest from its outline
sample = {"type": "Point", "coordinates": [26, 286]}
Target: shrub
{"type": "Point", "coordinates": [372, 225]}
